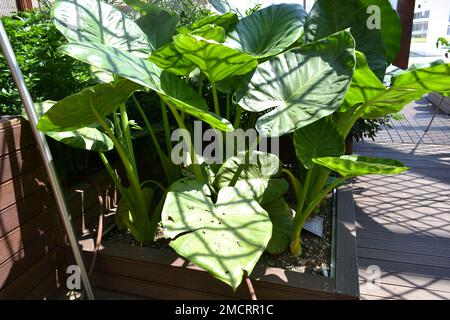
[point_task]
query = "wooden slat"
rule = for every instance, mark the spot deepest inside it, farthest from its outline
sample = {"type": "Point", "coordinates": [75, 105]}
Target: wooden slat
{"type": "Point", "coordinates": [156, 268]}
{"type": "Point", "coordinates": [409, 280]}
{"type": "Point", "coordinates": [18, 163]}
{"type": "Point", "coordinates": [15, 138]}
{"type": "Point", "coordinates": [47, 267]}
{"type": "Point", "coordinates": [22, 261]}
{"type": "Point", "coordinates": [401, 247]}
{"type": "Point", "coordinates": [39, 230]}
{"type": "Point", "coordinates": [346, 271]}
{"type": "Point", "coordinates": [405, 268]}
{"type": "Point", "coordinates": [22, 212]}
{"type": "Point", "coordinates": [17, 189]}
{"type": "Point", "coordinates": [403, 238]}
{"type": "Point", "coordinates": [411, 258]}
{"type": "Point", "coordinates": [398, 292]}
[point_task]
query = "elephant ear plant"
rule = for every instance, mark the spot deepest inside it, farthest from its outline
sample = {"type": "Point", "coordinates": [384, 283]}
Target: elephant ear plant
{"type": "Point", "coordinates": [270, 66]}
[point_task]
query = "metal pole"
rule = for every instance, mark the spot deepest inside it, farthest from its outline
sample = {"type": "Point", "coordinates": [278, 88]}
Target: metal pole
{"type": "Point", "coordinates": [45, 154]}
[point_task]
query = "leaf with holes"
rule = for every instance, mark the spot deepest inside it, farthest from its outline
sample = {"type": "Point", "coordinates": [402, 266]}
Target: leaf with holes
{"type": "Point", "coordinates": [225, 238]}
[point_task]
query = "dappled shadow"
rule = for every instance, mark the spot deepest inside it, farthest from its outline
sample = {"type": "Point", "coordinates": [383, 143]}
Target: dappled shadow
{"type": "Point", "coordinates": [403, 224]}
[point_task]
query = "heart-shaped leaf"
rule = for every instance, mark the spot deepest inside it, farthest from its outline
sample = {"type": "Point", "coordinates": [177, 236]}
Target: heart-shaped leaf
{"type": "Point", "coordinates": [215, 60]}
{"type": "Point", "coordinates": [359, 166]}
{"type": "Point", "coordinates": [83, 109]}
{"type": "Point", "coordinates": [268, 31]}
{"type": "Point", "coordinates": [380, 45]}
{"type": "Point", "coordinates": [317, 140]}
{"type": "Point", "coordinates": [295, 84]}
{"type": "Point", "coordinates": [159, 27]}
{"type": "Point", "coordinates": [94, 21]}
{"type": "Point", "coordinates": [225, 238]}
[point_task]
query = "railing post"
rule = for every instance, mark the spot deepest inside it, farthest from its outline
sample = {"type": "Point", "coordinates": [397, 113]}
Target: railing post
{"type": "Point", "coordinates": [405, 9]}
{"type": "Point", "coordinates": [24, 5]}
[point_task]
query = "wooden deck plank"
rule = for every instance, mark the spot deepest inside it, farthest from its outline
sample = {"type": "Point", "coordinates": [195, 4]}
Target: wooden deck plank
{"type": "Point", "coordinates": [403, 221]}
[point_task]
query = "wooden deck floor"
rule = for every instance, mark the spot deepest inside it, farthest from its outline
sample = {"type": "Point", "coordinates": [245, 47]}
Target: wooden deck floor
{"type": "Point", "coordinates": [403, 222]}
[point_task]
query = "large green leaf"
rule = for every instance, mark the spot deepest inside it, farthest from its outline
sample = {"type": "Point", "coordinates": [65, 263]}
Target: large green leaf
{"type": "Point", "coordinates": [82, 109]}
{"type": "Point", "coordinates": [376, 100]}
{"type": "Point", "coordinates": [180, 95]}
{"type": "Point", "coordinates": [225, 238]}
{"type": "Point", "coordinates": [94, 21]}
{"type": "Point", "coordinates": [88, 138]}
{"type": "Point", "coordinates": [302, 85]}
{"type": "Point", "coordinates": [242, 7]}
{"type": "Point", "coordinates": [149, 75]}
{"type": "Point", "coordinates": [211, 32]}
{"type": "Point", "coordinates": [359, 166]}
{"type": "Point", "coordinates": [269, 31]}
{"type": "Point", "coordinates": [281, 216]}
{"type": "Point", "coordinates": [168, 58]}
{"type": "Point", "coordinates": [317, 140]}
{"type": "Point", "coordinates": [260, 165]}
{"type": "Point", "coordinates": [380, 46]}
{"type": "Point", "coordinates": [215, 60]}
{"type": "Point", "coordinates": [159, 27]}
{"type": "Point", "coordinates": [226, 21]}
{"type": "Point", "coordinates": [259, 177]}
{"type": "Point", "coordinates": [434, 77]}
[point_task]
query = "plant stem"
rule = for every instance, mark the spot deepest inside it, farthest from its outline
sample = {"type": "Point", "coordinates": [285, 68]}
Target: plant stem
{"type": "Point", "coordinates": [228, 110]}
{"type": "Point", "coordinates": [197, 171]}
{"type": "Point", "coordinates": [237, 119]}
{"type": "Point", "coordinates": [295, 183]}
{"type": "Point", "coordinates": [241, 167]}
{"type": "Point", "coordinates": [166, 127]}
{"type": "Point", "coordinates": [216, 99]}
{"type": "Point", "coordinates": [127, 134]}
{"type": "Point", "coordinates": [200, 84]}
{"type": "Point", "coordinates": [297, 226]}
{"type": "Point", "coordinates": [150, 130]}
{"type": "Point", "coordinates": [141, 214]}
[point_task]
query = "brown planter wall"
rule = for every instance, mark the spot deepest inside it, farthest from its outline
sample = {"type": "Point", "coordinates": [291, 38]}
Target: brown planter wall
{"type": "Point", "coordinates": [32, 245]}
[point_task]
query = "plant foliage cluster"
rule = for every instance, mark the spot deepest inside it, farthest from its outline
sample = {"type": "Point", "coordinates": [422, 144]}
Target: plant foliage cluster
{"type": "Point", "coordinates": [49, 74]}
{"type": "Point", "coordinates": [280, 69]}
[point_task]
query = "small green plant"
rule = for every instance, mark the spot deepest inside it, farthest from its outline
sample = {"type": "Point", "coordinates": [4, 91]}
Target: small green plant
{"type": "Point", "coordinates": [279, 70]}
{"type": "Point", "coordinates": [49, 74]}
{"type": "Point", "coordinates": [445, 43]}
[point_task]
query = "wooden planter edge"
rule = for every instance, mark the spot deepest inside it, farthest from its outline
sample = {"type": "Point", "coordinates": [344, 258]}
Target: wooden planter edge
{"type": "Point", "coordinates": [162, 274]}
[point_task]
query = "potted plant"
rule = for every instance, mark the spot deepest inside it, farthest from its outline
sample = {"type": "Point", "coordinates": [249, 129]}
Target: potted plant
{"type": "Point", "coordinates": [274, 68]}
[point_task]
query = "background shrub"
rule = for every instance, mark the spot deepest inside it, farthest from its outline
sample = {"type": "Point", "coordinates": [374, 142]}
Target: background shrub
{"type": "Point", "coordinates": [49, 74]}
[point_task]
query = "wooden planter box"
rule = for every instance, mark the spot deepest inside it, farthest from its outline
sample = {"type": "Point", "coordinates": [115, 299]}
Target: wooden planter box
{"type": "Point", "coordinates": [161, 274]}
{"type": "Point", "coordinates": [33, 258]}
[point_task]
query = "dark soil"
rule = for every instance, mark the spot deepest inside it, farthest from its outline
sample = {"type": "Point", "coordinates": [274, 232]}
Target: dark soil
{"type": "Point", "coordinates": [316, 251]}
